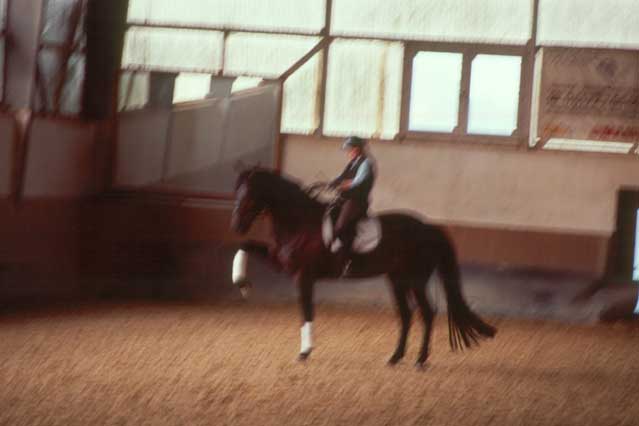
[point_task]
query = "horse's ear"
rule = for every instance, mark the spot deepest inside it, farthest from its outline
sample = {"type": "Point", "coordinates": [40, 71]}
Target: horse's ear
{"type": "Point", "coordinates": [239, 166]}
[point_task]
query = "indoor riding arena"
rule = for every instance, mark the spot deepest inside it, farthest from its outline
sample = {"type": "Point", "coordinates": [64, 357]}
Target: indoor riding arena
{"type": "Point", "coordinates": [164, 262]}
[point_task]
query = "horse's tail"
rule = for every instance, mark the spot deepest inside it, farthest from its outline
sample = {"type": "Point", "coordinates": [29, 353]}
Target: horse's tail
{"type": "Point", "coordinates": [465, 328]}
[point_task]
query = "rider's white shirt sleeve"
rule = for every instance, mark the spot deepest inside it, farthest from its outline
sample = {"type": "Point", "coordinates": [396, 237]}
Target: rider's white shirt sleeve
{"type": "Point", "coordinates": [363, 172]}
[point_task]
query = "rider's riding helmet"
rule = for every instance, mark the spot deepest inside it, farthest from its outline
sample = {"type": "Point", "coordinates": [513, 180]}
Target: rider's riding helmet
{"type": "Point", "coordinates": [354, 142]}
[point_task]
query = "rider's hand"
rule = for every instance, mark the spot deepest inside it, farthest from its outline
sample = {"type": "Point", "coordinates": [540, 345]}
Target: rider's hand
{"type": "Point", "coordinates": [346, 185]}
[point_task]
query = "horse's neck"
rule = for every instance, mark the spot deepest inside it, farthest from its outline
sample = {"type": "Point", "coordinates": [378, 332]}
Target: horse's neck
{"type": "Point", "coordinates": [289, 221]}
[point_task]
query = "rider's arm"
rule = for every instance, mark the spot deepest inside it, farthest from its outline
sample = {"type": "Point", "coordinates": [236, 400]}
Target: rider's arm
{"type": "Point", "coordinates": [364, 173]}
{"type": "Point", "coordinates": [339, 179]}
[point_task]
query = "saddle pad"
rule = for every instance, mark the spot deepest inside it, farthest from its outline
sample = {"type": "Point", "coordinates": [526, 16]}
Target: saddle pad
{"type": "Point", "coordinates": [369, 233]}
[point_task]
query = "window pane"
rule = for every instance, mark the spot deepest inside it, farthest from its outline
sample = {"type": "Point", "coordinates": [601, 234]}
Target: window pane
{"type": "Point", "coordinates": [285, 15]}
{"type": "Point", "coordinates": [191, 87]}
{"type": "Point", "coordinates": [494, 94]}
{"type": "Point", "coordinates": [66, 99]}
{"type": "Point", "coordinates": [134, 90]}
{"type": "Point", "coordinates": [60, 15]}
{"type": "Point", "coordinates": [300, 112]}
{"type": "Point", "coordinates": [488, 21]}
{"type": "Point", "coordinates": [3, 13]}
{"type": "Point", "coordinates": [168, 49]}
{"type": "Point", "coordinates": [589, 23]}
{"type": "Point", "coordinates": [243, 83]}
{"type": "Point", "coordinates": [264, 55]}
{"type": "Point", "coordinates": [434, 97]}
{"type": "Point", "coordinates": [363, 88]}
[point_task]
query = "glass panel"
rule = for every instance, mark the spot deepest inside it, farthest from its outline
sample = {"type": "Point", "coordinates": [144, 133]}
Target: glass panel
{"type": "Point", "coordinates": [305, 16]}
{"type": "Point", "coordinates": [134, 90]}
{"type": "Point", "coordinates": [264, 55]}
{"type": "Point", "coordinates": [434, 97]}
{"type": "Point", "coordinates": [3, 13]}
{"type": "Point", "coordinates": [61, 17]}
{"type": "Point", "coordinates": [191, 87]}
{"type": "Point", "coordinates": [301, 110]}
{"type": "Point", "coordinates": [494, 94]}
{"type": "Point", "coordinates": [168, 49]}
{"type": "Point", "coordinates": [494, 21]}
{"type": "Point", "coordinates": [363, 88]}
{"type": "Point", "coordinates": [67, 98]}
{"type": "Point", "coordinates": [594, 23]}
{"type": "Point", "coordinates": [243, 83]}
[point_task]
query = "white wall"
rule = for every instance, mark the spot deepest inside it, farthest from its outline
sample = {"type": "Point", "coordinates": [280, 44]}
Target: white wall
{"type": "Point", "coordinates": [61, 159]}
{"type": "Point", "coordinates": [204, 139]}
{"type": "Point", "coordinates": [142, 138]}
{"type": "Point", "coordinates": [482, 185]}
{"type": "Point", "coordinates": [197, 135]}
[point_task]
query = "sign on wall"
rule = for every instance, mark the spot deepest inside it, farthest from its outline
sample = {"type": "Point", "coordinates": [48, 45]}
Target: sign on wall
{"type": "Point", "coordinates": [589, 94]}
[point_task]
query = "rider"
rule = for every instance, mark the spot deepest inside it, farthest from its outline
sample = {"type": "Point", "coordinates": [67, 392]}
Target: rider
{"type": "Point", "coordinates": [355, 184]}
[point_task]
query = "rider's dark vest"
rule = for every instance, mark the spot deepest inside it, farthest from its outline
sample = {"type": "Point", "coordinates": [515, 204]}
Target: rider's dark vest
{"type": "Point", "coordinates": [361, 192]}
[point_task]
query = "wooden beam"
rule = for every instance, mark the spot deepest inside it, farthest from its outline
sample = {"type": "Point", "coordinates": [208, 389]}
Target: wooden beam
{"type": "Point", "coordinates": [321, 101]}
{"type": "Point", "coordinates": [464, 94]}
{"type": "Point", "coordinates": [407, 83]}
{"type": "Point", "coordinates": [298, 64]}
{"type": "Point", "coordinates": [524, 119]}
{"type": "Point", "coordinates": [23, 120]}
{"type": "Point", "coordinates": [219, 28]}
{"type": "Point", "coordinates": [278, 126]}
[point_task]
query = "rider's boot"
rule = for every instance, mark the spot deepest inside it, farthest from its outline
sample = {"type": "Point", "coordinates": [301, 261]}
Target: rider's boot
{"type": "Point", "coordinates": [343, 254]}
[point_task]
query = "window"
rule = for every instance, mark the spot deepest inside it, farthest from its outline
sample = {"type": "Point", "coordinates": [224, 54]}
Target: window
{"type": "Point", "coordinates": [363, 88]}
{"type": "Point", "coordinates": [134, 90]}
{"type": "Point", "coordinates": [589, 23]}
{"type": "Point", "coordinates": [243, 41]}
{"type": "Point", "coordinates": [468, 21]}
{"type": "Point", "coordinates": [494, 94]}
{"type": "Point", "coordinates": [191, 87]}
{"type": "Point", "coordinates": [434, 100]}
{"type": "Point", "coordinates": [61, 60]}
{"type": "Point", "coordinates": [300, 16]}
{"type": "Point", "coordinates": [464, 92]}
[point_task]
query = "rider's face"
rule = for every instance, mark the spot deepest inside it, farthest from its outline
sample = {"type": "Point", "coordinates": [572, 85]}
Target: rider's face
{"type": "Point", "coordinates": [353, 153]}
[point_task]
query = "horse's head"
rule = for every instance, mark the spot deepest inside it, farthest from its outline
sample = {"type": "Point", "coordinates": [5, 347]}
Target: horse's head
{"type": "Point", "coordinates": [248, 202]}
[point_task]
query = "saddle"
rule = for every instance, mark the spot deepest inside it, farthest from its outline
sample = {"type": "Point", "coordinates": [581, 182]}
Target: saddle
{"type": "Point", "coordinates": [368, 233]}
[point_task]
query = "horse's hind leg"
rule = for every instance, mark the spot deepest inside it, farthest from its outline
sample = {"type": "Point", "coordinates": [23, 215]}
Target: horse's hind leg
{"type": "Point", "coordinates": [419, 290]}
{"type": "Point", "coordinates": [400, 290]}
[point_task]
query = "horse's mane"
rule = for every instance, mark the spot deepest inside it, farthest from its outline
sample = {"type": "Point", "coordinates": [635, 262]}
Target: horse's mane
{"type": "Point", "coordinates": [278, 188]}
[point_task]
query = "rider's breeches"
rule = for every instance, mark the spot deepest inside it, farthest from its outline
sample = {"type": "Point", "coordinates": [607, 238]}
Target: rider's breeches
{"type": "Point", "coordinates": [350, 212]}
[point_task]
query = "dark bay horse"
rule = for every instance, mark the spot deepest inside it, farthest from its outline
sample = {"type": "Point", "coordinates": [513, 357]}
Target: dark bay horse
{"type": "Point", "coordinates": [409, 252]}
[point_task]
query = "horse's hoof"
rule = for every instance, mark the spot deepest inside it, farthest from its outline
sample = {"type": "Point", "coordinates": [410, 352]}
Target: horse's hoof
{"type": "Point", "coordinates": [303, 356]}
{"type": "Point", "coordinates": [245, 289]}
{"type": "Point", "coordinates": [421, 365]}
{"type": "Point", "coordinates": [395, 359]}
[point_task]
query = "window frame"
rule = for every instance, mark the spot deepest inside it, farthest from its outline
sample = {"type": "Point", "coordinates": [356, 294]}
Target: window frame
{"type": "Point", "coordinates": [4, 18]}
{"type": "Point", "coordinates": [460, 133]}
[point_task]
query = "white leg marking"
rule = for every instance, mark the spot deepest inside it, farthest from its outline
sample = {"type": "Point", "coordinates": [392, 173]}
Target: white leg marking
{"type": "Point", "coordinates": [239, 266]}
{"type": "Point", "coordinates": [637, 306]}
{"type": "Point", "coordinates": [307, 337]}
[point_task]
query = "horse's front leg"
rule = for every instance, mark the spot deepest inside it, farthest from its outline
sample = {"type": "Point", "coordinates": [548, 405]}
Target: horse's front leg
{"type": "Point", "coordinates": [305, 285]}
{"type": "Point", "coordinates": [240, 263]}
